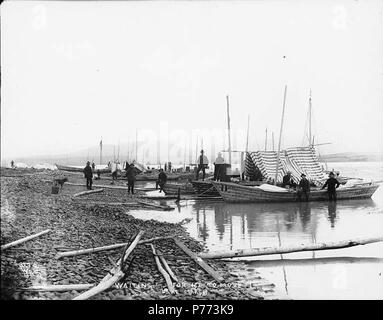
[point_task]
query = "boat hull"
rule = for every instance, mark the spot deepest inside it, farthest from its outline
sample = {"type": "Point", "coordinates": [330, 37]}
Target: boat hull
{"type": "Point", "coordinates": [75, 169]}
{"type": "Point", "coordinates": [232, 192]}
{"type": "Point", "coordinates": [205, 188]}
{"type": "Point", "coordinates": [172, 188]}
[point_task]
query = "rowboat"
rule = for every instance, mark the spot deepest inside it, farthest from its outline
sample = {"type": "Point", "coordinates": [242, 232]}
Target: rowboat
{"type": "Point", "coordinates": [77, 169]}
{"type": "Point", "coordinates": [232, 192]}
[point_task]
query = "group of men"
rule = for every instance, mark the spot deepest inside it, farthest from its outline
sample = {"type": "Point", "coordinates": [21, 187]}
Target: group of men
{"type": "Point", "coordinates": [130, 175]}
{"type": "Point", "coordinates": [304, 186]}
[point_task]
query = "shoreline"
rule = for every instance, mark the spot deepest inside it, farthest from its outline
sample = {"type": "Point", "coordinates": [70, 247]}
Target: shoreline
{"type": "Point", "coordinates": [28, 207]}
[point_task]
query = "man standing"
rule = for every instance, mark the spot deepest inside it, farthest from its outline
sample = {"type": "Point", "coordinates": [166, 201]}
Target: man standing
{"type": "Point", "coordinates": [332, 184]}
{"type": "Point", "coordinates": [202, 162]}
{"type": "Point", "coordinates": [162, 178]}
{"type": "Point", "coordinates": [114, 170]}
{"type": "Point", "coordinates": [131, 176]}
{"type": "Point", "coordinates": [93, 166]}
{"type": "Point", "coordinates": [304, 188]}
{"type": "Point", "coordinates": [12, 164]}
{"type": "Point", "coordinates": [88, 175]}
{"type": "Point", "coordinates": [218, 167]}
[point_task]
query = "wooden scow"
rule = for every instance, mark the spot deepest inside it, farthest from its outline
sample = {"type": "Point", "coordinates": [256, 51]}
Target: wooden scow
{"type": "Point", "coordinates": [232, 192]}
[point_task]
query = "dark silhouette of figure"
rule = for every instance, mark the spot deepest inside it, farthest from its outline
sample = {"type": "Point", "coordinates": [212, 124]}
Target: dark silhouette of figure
{"type": "Point", "coordinates": [202, 162]}
{"type": "Point", "coordinates": [288, 180]}
{"type": "Point", "coordinates": [88, 173]}
{"type": "Point", "coordinates": [93, 166]}
{"type": "Point", "coordinates": [332, 184]}
{"type": "Point", "coordinates": [304, 188]}
{"type": "Point", "coordinates": [162, 178]}
{"type": "Point", "coordinates": [12, 164]}
{"type": "Point", "coordinates": [131, 176]}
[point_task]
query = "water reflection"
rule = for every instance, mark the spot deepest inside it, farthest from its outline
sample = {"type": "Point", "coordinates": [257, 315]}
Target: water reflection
{"type": "Point", "coordinates": [224, 226]}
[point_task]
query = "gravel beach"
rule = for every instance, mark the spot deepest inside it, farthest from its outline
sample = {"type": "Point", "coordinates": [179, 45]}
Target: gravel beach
{"type": "Point", "coordinates": [29, 207]}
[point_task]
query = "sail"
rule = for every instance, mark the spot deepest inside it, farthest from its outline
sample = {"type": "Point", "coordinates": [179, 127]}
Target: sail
{"type": "Point", "coordinates": [297, 160]}
{"type": "Point", "coordinates": [304, 160]}
{"type": "Point", "coordinates": [266, 163]}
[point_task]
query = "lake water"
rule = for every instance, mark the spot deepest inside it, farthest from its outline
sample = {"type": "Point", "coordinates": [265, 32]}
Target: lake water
{"type": "Point", "coordinates": [351, 273]}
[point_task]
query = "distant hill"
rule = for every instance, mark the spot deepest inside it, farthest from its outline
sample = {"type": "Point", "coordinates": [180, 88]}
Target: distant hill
{"type": "Point", "coordinates": [352, 157]}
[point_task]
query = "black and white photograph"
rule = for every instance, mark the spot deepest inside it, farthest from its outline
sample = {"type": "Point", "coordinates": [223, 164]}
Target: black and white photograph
{"type": "Point", "coordinates": [209, 151]}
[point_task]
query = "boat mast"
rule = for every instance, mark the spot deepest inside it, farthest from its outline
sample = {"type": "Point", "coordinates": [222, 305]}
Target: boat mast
{"type": "Point", "coordinates": [101, 151]}
{"type": "Point", "coordinates": [247, 136]}
{"type": "Point", "coordinates": [266, 140]}
{"type": "Point", "coordinates": [228, 127]}
{"type": "Point", "coordinates": [310, 141]}
{"type": "Point", "coordinates": [136, 143]}
{"type": "Point", "coordinates": [280, 136]}
{"type": "Point", "coordinates": [272, 139]}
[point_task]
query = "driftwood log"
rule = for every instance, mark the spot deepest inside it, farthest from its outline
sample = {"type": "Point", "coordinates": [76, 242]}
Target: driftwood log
{"type": "Point", "coordinates": [104, 248]}
{"type": "Point", "coordinates": [288, 249]}
{"type": "Point", "coordinates": [83, 193]}
{"type": "Point", "coordinates": [163, 271]}
{"type": "Point", "coordinates": [59, 287]}
{"type": "Point", "coordinates": [20, 241]}
{"type": "Point", "coordinates": [114, 275]}
{"type": "Point", "coordinates": [199, 261]}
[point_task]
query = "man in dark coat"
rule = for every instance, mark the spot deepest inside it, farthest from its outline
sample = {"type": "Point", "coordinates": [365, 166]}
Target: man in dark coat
{"type": "Point", "coordinates": [304, 188]}
{"type": "Point", "coordinates": [332, 184]}
{"type": "Point", "coordinates": [131, 176]}
{"type": "Point", "coordinates": [88, 174]}
{"type": "Point", "coordinates": [162, 177]}
{"type": "Point", "coordinates": [287, 180]}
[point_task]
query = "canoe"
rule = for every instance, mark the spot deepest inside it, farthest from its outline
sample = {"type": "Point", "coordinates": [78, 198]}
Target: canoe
{"type": "Point", "coordinates": [76, 169]}
{"type": "Point", "coordinates": [232, 192]}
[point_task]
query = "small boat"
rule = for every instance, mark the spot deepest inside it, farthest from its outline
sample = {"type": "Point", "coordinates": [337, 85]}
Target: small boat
{"type": "Point", "coordinates": [233, 192]}
{"type": "Point", "coordinates": [78, 169]}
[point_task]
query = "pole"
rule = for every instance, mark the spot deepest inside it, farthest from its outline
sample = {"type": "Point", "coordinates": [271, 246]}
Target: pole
{"type": "Point", "coordinates": [101, 151]}
{"type": "Point", "coordinates": [247, 137]}
{"type": "Point", "coordinates": [272, 139]}
{"type": "Point", "coordinates": [280, 135]}
{"type": "Point", "coordinates": [310, 141]}
{"type": "Point", "coordinates": [136, 142]}
{"type": "Point", "coordinates": [266, 140]}
{"type": "Point", "coordinates": [228, 127]}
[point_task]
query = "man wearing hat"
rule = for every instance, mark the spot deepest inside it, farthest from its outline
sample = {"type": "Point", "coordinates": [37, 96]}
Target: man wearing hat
{"type": "Point", "coordinates": [332, 184]}
{"type": "Point", "coordinates": [304, 188]}
{"type": "Point", "coordinates": [88, 173]}
{"type": "Point", "coordinates": [202, 163]}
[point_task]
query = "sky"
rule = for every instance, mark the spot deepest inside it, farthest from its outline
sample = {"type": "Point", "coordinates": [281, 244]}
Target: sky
{"type": "Point", "coordinates": [76, 72]}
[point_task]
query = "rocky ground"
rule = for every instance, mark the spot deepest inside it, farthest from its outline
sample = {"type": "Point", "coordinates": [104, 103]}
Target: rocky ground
{"type": "Point", "coordinates": [28, 207]}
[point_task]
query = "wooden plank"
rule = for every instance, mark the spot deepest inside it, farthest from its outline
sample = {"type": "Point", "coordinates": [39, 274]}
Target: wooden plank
{"type": "Point", "coordinates": [289, 249]}
{"type": "Point", "coordinates": [199, 261]}
{"type": "Point", "coordinates": [114, 275]}
{"type": "Point", "coordinates": [104, 248]}
{"type": "Point", "coordinates": [87, 192]}
{"type": "Point", "coordinates": [163, 272]}
{"type": "Point", "coordinates": [20, 241]}
{"type": "Point", "coordinates": [154, 205]}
